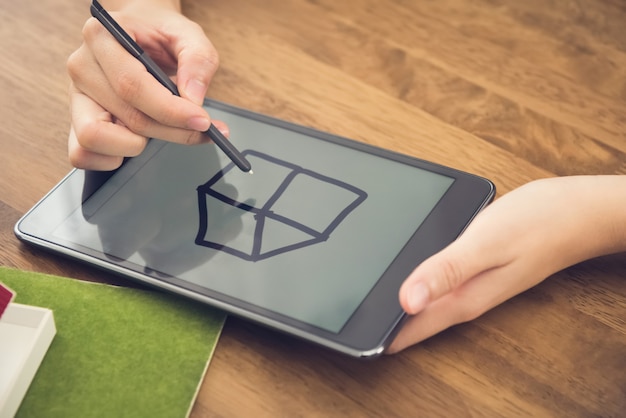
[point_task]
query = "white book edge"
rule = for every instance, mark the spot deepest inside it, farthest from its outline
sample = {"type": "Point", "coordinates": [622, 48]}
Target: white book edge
{"type": "Point", "coordinates": [38, 325]}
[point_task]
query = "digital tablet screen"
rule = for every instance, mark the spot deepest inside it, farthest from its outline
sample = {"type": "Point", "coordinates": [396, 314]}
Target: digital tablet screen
{"type": "Point", "coordinates": [318, 239]}
{"type": "Point", "coordinates": [307, 235]}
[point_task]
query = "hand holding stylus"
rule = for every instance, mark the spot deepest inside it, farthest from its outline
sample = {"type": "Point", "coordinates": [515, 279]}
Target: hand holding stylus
{"type": "Point", "coordinates": [153, 68]}
{"type": "Point", "coordinates": [116, 105]}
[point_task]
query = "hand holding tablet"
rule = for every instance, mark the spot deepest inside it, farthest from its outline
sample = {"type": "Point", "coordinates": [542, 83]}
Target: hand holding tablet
{"type": "Point", "coordinates": [525, 236]}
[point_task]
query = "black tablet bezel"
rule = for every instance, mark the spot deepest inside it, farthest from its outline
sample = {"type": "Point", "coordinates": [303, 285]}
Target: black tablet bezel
{"type": "Point", "coordinates": [371, 327]}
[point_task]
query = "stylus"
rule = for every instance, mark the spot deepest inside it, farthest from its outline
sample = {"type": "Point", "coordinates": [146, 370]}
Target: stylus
{"type": "Point", "coordinates": [135, 50]}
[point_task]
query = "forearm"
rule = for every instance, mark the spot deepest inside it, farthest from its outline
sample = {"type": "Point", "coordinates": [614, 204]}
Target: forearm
{"type": "Point", "coordinates": [592, 218]}
{"type": "Point", "coordinates": [603, 201]}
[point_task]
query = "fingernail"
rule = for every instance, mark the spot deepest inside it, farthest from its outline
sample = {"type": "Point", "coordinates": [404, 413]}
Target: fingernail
{"type": "Point", "coordinates": [418, 297]}
{"type": "Point", "coordinates": [195, 91]}
{"type": "Point", "coordinates": [198, 123]}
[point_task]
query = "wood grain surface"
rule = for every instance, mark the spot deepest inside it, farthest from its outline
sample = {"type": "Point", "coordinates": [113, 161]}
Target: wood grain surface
{"type": "Point", "coordinates": [510, 90]}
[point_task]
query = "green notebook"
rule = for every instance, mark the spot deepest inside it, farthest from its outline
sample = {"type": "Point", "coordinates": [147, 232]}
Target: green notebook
{"type": "Point", "coordinates": [118, 352]}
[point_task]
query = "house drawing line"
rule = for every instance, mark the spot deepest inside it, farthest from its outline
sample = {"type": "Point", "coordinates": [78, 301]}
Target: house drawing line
{"type": "Point", "coordinates": [265, 212]}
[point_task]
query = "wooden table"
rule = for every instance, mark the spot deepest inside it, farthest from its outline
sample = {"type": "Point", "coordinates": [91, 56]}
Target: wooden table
{"type": "Point", "coordinates": [510, 90]}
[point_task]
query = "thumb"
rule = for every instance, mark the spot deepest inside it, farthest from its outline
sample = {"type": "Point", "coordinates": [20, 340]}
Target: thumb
{"type": "Point", "coordinates": [197, 63]}
{"type": "Point", "coordinates": [439, 275]}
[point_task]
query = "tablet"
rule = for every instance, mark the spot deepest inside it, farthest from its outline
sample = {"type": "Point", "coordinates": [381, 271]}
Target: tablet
{"type": "Point", "coordinates": [315, 243]}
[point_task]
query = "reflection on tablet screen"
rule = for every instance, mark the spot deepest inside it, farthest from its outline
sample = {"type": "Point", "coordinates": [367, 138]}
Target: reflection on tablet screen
{"type": "Point", "coordinates": [307, 236]}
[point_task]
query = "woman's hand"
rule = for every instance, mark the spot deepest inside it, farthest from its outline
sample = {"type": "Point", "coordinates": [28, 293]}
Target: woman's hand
{"type": "Point", "coordinates": [116, 104]}
{"type": "Point", "coordinates": [515, 243]}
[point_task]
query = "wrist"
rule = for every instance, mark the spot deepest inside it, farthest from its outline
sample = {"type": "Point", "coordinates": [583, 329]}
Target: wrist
{"type": "Point", "coordinates": [596, 215]}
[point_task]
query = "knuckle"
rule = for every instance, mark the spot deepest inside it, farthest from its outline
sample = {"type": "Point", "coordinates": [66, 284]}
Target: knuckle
{"type": "Point", "coordinates": [92, 148]}
{"type": "Point", "coordinates": [89, 135]}
{"type": "Point", "coordinates": [212, 58]}
{"type": "Point", "coordinates": [452, 275]}
{"type": "Point", "coordinates": [204, 54]}
{"type": "Point", "coordinates": [136, 147]}
{"type": "Point", "coordinates": [136, 121]}
{"type": "Point", "coordinates": [73, 65]}
{"type": "Point", "coordinates": [213, 62]}
{"type": "Point", "coordinates": [91, 29]}
{"type": "Point", "coordinates": [77, 159]}
{"type": "Point", "coordinates": [80, 160]}
{"type": "Point", "coordinates": [192, 138]}
{"type": "Point", "coordinates": [170, 115]}
{"type": "Point", "coordinates": [74, 153]}
{"type": "Point", "coordinates": [127, 86]}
